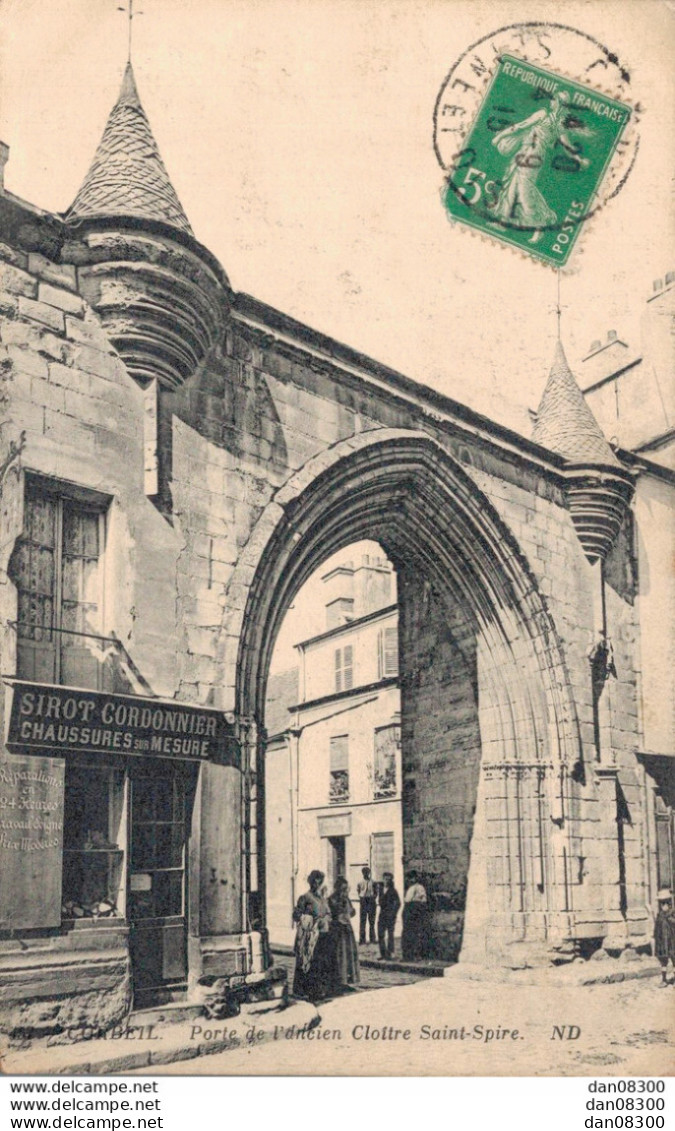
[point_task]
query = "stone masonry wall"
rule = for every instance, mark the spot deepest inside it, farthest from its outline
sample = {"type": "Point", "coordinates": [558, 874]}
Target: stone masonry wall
{"type": "Point", "coordinates": [257, 409]}
{"type": "Point", "coordinates": [440, 739]}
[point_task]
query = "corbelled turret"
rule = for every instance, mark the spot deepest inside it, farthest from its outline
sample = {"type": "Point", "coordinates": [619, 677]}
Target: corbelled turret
{"type": "Point", "coordinates": [160, 294]}
{"type": "Point", "coordinates": [598, 487]}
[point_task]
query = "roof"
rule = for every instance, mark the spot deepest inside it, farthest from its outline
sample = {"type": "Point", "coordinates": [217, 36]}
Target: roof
{"type": "Point", "coordinates": [565, 423]}
{"type": "Point", "coordinates": [282, 693]}
{"type": "Point", "coordinates": [349, 626]}
{"type": "Point", "coordinates": [127, 176]}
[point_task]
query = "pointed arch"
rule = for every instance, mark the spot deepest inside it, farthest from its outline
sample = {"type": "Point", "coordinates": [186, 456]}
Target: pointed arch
{"type": "Point", "coordinates": [404, 490]}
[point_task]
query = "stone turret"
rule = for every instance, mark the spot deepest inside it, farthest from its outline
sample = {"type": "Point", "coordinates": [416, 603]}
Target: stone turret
{"type": "Point", "coordinates": [160, 294]}
{"type": "Point", "coordinates": [598, 486]}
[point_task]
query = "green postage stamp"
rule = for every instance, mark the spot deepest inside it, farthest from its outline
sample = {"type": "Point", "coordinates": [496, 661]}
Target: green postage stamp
{"type": "Point", "coordinates": [531, 165]}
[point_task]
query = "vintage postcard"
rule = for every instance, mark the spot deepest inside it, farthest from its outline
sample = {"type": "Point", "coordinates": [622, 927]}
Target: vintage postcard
{"type": "Point", "coordinates": [337, 471]}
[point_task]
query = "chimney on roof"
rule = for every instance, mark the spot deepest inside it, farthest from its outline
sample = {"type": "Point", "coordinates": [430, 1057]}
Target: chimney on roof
{"type": "Point", "coordinates": [4, 158]}
{"type": "Point", "coordinates": [611, 335]}
{"type": "Point", "coordinates": [658, 285]}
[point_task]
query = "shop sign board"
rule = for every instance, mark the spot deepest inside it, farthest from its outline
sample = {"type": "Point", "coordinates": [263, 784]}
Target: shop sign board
{"type": "Point", "coordinates": [65, 720]}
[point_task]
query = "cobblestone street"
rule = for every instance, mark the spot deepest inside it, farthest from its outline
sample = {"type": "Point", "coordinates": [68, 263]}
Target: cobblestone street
{"type": "Point", "coordinates": [372, 977]}
{"type": "Point", "coordinates": [463, 1027]}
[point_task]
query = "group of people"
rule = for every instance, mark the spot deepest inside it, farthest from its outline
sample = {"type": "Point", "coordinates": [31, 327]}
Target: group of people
{"type": "Point", "coordinates": [415, 915]}
{"type": "Point", "coordinates": [370, 895]}
{"type": "Point", "coordinates": [326, 954]}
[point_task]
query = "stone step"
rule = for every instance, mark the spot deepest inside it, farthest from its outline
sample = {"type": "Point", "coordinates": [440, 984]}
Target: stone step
{"type": "Point", "coordinates": [169, 1014]}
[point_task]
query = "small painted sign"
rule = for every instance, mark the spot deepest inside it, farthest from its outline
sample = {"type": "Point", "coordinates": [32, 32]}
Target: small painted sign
{"type": "Point", "coordinates": [531, 165]}
{"type": "Point", "coordinates": [31, 840]}
{"type": "Point", "coordinates": [65, 720]}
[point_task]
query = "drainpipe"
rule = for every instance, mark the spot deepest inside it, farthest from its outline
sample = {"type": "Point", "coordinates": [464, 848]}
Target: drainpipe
{"type": "Point", "coordinates": [293, 790]}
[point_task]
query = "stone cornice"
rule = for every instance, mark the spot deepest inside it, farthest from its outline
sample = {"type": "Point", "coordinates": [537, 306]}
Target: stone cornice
{"type": "Point", "coordinates": [265, 326]}
{"type": "Point", "coordinates": [33, 229]}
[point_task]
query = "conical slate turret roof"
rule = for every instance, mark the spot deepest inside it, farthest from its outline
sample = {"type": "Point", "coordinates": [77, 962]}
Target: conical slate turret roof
{"type": "Point", "coordinates": [127, 176]}
{"type": "Point", "coordinates": [565, 423]}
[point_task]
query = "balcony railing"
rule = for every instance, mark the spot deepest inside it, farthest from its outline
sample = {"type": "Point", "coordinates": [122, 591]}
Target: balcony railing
{"type": "Point", "coordinates": [76, 659]}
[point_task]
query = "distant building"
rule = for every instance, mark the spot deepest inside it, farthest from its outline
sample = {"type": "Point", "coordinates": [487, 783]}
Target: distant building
{"type": "Point", "coordinates": [336, 751]}
{"type": "Point", "coordinates": [631, 391]}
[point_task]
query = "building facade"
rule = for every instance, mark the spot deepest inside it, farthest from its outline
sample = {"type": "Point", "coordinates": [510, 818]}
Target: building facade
{"type": "Point", "coordinates": [337, 753]}
{"type": "Point", "coordinates": [176, 460]}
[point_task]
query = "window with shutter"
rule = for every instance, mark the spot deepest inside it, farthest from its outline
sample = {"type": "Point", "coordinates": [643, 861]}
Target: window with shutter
{"type": "Point", "coordinates": [344, 668]}
{"type": "Point", "coordinates": [56, 569]}
{"type": "Point", "coordinates": [339, 769]}
{"type": "Point", "coordinates": [387, 652]}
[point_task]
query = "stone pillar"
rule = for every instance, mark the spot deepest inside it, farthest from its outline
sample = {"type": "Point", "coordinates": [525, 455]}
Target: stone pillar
{"type": "Point", "coordinates": [441, 747]}
{"type": "Point", "coordinates": [220, 880]}
{"type": "Point", "coordinates": [218, 945]}
{"type": "Point", "coordinates": [615, 924]}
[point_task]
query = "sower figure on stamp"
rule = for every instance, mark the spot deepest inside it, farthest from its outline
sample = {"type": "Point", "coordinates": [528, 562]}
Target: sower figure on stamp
{"type": "Point", "coordinates": [530, 144]}
{"type": "Point", "coordinates": [664, 933]}
{"type": "Point", "coordinates": [390, 902]}
{"type": "Point", "coordinates": [367, 906]}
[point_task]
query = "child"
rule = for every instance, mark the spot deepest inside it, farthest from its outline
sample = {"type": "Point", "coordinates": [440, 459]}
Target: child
{"type": "Point", "coordinates": [664, 933]}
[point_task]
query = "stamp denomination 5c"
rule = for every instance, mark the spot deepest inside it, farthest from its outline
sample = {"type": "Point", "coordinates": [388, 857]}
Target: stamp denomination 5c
{"type": "Point", "coordinates": [532, 162]}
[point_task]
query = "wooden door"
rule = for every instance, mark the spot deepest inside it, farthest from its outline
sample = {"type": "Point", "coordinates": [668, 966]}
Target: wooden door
{"type": "Point", "coordinates": [157, 881]}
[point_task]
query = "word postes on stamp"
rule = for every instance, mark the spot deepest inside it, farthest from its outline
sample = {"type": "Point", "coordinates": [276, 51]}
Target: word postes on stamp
{"type": "Point", "coordinates": [532, 162]}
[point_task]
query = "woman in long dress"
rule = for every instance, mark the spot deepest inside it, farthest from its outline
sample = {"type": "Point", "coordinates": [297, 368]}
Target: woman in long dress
{"type": "Point", "coordinates": [314, 956]}
{"type": "Point", "coordinates": [344, 942]}
{"type": "Point", "coordinates": [414, 940]}
{"type": "Point", "coordinates": [529, 144]}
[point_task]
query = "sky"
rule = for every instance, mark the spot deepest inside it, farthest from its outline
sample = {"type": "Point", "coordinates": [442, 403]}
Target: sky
{"type": "Point", "coordinates": [299, 137]}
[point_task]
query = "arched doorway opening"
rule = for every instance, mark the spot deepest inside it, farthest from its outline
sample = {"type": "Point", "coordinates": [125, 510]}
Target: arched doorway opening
{"type": "Point", "coordinates": [488, 726]}
{"type": "Point", "coordinates": [332, 761]}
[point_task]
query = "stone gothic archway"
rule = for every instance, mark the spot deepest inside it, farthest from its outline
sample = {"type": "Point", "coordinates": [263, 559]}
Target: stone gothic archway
{"type": "Point", "coordinates": [490, 736]}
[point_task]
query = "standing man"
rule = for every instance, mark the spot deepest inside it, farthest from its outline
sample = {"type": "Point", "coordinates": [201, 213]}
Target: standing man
{"type": "Point", "coordinates": [390, 902]}
{"type": "Point", "coordinates": [664, 933]}
{"type": "Point", "coordinates": [367, 906]}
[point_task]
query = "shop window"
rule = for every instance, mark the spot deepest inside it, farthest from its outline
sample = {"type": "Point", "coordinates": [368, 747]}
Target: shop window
{"type": "Point", "coordinates": [344, 668]}
{"type": "Point", "coordinates": [56, 567]}
{"type": "Point", "coordinates": [92, 829]}
{"type": "Point", "coordinates": [387, 652]}
{"type": "Point", "coordinates": [158, 831]}
{"type": "Point", "coordinates": [339, 769]}
{"type": "Point", "coordinates": [387, 743]}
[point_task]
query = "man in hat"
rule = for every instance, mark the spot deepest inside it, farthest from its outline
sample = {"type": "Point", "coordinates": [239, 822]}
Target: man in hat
{"type": "Point", "coordinates": [664, 932]}
{"type": "Point", "coordinates": [367, 906]}
{"type": "Point", "coordinates": [390, 902]}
